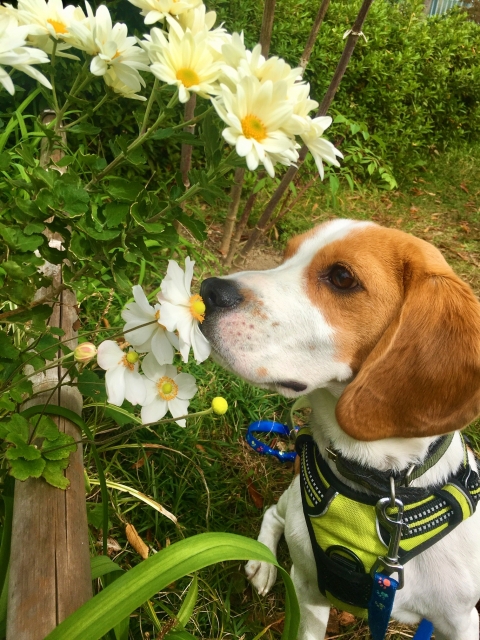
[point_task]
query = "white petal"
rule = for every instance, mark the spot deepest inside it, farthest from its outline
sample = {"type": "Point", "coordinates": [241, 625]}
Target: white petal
{"type": "Point", "coordinates": [141, 300]}
{"type": "Point", "coordinates": [109, 354]}
{"type": "Point", "coordinates": [186, 386]}
{"type": "Point", "coordinates": [135, 390]}
{"type": "Point", "coordinates": [162, 348]}
{"type": "Point", "coordinates": [115, 384]}
{"type": "Point", "coordinates": [98, 66]}
{"type": "Point", "coordinates": [244, 146]}
{"type": "Point", "coordinates": [152, 369]}
{"type": "Point", "coordinates": [138, 336]}
{"type": "Point", "coordinates": [178, 407]}
{"type": "Point", "coordinates": [201, 346]}
{"type": "Point", "coordinates": [150, 389]}
{"type": "Point", "coordinates": [154, 411]}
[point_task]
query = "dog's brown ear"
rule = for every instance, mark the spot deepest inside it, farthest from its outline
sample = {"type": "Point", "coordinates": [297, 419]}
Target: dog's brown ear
{"type": "Point", "coordinates": [423, 376]}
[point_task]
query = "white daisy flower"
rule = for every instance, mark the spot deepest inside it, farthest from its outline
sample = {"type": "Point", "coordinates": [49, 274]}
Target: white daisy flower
{"type": "Point", "coordinates": [183, 311]}
{"type": "Point", "coordinates": [122, 380]}
{"type": "Point", "coordinates": [14, 54]}
{"type": "Point", "coordinates": [111, 47]}
{"type": "Point", "coordinates": [51, 18]}
{"type": "Point", "coordinates": [198, 20]}
{"type": "Point", "coordinates": [320, 148]}
{"type": "Point", "coordinates": [184, 60]}
{"type": "Point", "coordinates": [241, 62]}
{"type": "Point", "coordinates": [167, 390]}
{"type": "Point", "coordinates": [152, 337]}
{"type": "Point", "coordinates": [156, 10]}
{"type": "Point", "coordinates": [256, 114]}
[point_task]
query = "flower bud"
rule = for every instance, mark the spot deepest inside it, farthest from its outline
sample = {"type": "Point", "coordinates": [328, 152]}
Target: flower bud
{"type": "Point", "coordinates": [219, 406]}
{"type": "Point", "coordinates": [85, 352]}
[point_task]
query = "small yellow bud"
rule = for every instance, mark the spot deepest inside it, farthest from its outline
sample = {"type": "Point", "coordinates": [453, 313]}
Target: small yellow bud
{"type": "Point", "coordinates": [132, 357]}
{"type": "Point", "coordinates": [85, 352]}
{"type": "Point", "coordinates": [219, 406]}
{"type": "Point", "coordinates": [167, 388]}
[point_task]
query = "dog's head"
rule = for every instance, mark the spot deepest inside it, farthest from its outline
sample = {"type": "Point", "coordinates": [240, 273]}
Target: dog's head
{"type": "Point", "coordinates": [356, 303]}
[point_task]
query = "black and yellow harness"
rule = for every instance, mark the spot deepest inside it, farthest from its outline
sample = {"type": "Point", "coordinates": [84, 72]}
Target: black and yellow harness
{"type": "Point", "coordinates": [346, 536]}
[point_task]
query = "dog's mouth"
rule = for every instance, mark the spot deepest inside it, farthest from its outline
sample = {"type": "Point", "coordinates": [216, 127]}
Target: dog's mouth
{"type": "Point", "coordinates": [292, 384]}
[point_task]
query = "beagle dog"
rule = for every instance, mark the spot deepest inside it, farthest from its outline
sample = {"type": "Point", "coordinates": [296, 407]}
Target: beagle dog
{"type": "Point", "coordinates": [374, 326]}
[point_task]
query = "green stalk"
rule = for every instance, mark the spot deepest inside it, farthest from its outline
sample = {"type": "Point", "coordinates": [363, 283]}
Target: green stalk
{"type": "Point", "coordinates": [136, 143]}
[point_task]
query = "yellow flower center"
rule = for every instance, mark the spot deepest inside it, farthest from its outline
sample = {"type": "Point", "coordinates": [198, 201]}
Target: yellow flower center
{"type": "Point", "coordinates": [58, 26]}
{"type": "Point", "coordinates": [167, 388]}
{"type": "Point", "coordinates": [129, 360]}
{"type": "Point", "coordinates": [197, 307]}
{"type": "Point", "coordinates": [188, 77]}
{"type": "Point", "coordinates": [253, 127]}
{"type": "Point", "coordinates": [132, 357]}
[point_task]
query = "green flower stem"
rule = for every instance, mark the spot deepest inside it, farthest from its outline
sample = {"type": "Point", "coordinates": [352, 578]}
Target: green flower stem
{"type": "Point", "coordinates": [149, 107]}
{"type": "Point", "coordinates": [143, 426]}
{"type": "Point", "coordinates": [136, 143]}
{"type": "Point", "coordinates": [198, 118]}
{"type": "Point", "coordinates": [96, 108]}
{"type": "Point", "coordinates": [52, 75]}
{"type": "Point", "coordinates": [51, 365]}
{"type": "Point", "coordinates": [223, 168]}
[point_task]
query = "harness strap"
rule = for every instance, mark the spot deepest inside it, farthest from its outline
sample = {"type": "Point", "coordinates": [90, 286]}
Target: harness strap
{"type": "Point", "coordinates": [379, 481]}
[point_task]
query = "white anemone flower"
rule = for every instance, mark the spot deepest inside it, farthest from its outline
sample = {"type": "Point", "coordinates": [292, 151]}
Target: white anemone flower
{"type": "Point", "coordinates": [152, 337]}
{"type": "Point", "coordinates": [111, 47]}
{"type": "Point", "coordinates": [122, 380]}
{"type": "Point", "coordinates": [256, 114]}
{"type": "Point", "coordinates": [183, 311]}
{"type": "Point", "coordinates": [185, 60]}
{"type": "Point", "coordinates": [320, 148]}
{"type": "Point", "coordinates": [14, 54]}
{"type": "Point", "coordinates": [156, 10]}
{"type": "Point", "coordinates": [167, 390]}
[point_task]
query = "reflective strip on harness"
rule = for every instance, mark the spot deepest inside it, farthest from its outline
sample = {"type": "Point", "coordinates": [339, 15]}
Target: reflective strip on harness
{"type": "Point", "coordinates": [345, 534]}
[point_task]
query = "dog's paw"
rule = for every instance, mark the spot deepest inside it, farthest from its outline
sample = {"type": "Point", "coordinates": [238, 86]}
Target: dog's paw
{"type": "Point", "coordinates": [262, 575]}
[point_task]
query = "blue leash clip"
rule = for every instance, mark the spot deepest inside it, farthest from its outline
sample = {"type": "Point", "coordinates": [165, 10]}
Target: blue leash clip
{"type": "Point", "coordinates": [269, 426]}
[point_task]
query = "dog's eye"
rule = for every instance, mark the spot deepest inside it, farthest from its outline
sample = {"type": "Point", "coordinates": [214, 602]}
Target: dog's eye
{"type": "Point", "coordinates": [341, 278]}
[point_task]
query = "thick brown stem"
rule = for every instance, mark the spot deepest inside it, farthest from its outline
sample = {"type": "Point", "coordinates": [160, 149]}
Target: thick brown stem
{"type": "Point", "coordinates": [186, 159]}
{"type": "Point", "coordinates": [286, 209]}
{"type": "Point", "coordinates": [355, 33]}
{"type": "Point", "coordinates": [307, 52]}
{"type": "Point", "coordinates": [235, 195]}
{"type": "Point", "coordinates": [267, 26]}
{"type": "Point", "coordinates": [242, 223]}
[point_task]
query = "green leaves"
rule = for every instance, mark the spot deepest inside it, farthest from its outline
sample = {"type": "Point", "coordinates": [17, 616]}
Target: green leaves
{"type": "Point", "coordinates": [132, 589]}
{"type": "Point", "coordinates": [27, 460]}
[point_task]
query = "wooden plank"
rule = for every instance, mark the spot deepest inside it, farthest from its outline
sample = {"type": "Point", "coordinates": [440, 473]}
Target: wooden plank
{"type": "Point", "coordinates": [50, 559]}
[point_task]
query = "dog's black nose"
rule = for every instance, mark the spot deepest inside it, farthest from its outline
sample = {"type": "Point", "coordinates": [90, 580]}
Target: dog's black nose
{"type": "Point", "coordinates": [220, 294]}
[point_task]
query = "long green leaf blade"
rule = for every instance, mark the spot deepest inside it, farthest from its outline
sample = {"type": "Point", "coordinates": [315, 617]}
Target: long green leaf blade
{"type": "Point", "coordinates": [105, 610]}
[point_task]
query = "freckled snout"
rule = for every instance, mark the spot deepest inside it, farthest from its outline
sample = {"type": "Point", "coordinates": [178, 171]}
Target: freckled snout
{"type": "Point", "coordinates": [220, 295]}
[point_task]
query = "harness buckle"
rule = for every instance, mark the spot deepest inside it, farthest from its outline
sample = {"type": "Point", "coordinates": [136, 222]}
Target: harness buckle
{"type": "Point", "coordinates": [394, 523]}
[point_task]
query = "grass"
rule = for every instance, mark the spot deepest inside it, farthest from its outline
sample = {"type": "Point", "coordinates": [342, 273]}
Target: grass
{"type": "Point", "coordinates": [206, 474]}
